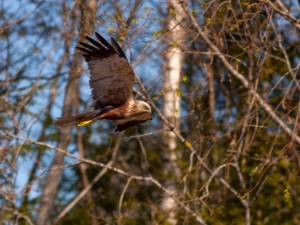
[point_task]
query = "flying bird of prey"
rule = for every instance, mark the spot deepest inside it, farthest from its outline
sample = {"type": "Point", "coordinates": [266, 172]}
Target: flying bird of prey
{"type": "Point", "coordinates": [111, 81]}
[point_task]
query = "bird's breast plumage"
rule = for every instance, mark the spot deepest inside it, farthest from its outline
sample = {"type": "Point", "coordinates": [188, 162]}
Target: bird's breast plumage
{"type": "Point", "coordinates": [128, 109]}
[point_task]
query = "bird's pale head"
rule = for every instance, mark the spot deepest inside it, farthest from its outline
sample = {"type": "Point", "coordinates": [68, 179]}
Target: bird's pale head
{"type": "Point", "coordinates": [143, 106]}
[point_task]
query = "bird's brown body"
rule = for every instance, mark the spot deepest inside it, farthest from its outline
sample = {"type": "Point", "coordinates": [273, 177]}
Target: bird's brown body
{"type": "Point", "coordinates": [124, 111]}
{"type": "Point", "coordinates": [111, 82]}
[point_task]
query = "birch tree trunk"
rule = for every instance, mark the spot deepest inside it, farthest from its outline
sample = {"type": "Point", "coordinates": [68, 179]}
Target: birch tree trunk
{"type": "Point", "coordinates": [171, 107]}
{"type": "Point", "coordinates": [50, 187]}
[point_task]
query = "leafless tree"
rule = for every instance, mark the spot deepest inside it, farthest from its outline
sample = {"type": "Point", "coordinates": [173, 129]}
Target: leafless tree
{"type": "Point", "coordinates": [223, 145]}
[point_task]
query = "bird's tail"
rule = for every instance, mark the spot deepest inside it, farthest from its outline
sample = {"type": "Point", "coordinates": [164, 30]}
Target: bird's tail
{"type": "Point", "coordinates": [79, 120]}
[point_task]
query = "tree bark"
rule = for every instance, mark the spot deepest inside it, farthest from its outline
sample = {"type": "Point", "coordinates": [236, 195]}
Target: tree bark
{"type": "Point", "coordinates": [53, 178]}
{"type": "Point", "coordinates": [172, 98]}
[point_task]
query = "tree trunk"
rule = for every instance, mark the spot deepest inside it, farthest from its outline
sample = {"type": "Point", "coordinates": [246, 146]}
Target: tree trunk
{"type": "Point", "coordinates": [171, 107]}
{"type": "Point", "coordinates": [53, 178]}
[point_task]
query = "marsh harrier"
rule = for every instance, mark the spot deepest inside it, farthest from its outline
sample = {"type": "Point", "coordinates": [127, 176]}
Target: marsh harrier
{"type": "Point", "coordinates": [111, 81]}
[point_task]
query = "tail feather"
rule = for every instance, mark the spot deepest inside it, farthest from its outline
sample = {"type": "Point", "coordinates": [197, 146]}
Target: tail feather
{"type": "Point", "coordinates": [80, 119]}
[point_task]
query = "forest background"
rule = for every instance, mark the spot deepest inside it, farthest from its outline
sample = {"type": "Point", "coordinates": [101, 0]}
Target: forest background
{"type": "Point", "coordinates": [222, 147]}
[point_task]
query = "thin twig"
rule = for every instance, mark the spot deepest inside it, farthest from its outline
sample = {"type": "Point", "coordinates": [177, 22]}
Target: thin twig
{"type": "Point", "coordinates": [239, 76]}
{"type": "Point", "coordinates": [121, 198]}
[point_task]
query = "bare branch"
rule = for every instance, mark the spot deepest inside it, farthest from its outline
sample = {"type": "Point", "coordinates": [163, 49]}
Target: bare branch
{"type": "Point", "coordinates": [240, 77]}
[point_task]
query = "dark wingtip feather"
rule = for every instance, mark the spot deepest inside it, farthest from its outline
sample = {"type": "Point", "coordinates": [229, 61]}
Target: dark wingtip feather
{"type": "Point", "coordinates": [103, 41]}
{"type": "Point", "coordinates": [96, 43]}
{"type": "Point", "coordinates": [118, 48]}
{"type": "Point", "coordinates": [89, 47]}
{"type": "Point", "coordinates": [100, 49]}
{"type": "Point", "coordinates": [84, 50]}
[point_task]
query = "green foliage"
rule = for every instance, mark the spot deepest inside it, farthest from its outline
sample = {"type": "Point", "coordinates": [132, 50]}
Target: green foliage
{"type": "Point", "coordinates": [231, 150]}
{"type": "Point", "coordinates": [156, 33]}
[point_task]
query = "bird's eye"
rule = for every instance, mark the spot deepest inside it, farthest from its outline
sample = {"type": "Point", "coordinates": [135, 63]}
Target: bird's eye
{"type": "Point", "coordinates": [146, 108]}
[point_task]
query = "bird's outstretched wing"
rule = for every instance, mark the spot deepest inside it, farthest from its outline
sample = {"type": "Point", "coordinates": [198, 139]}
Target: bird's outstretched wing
{"type": "Point", "coordinates": [111, 76]}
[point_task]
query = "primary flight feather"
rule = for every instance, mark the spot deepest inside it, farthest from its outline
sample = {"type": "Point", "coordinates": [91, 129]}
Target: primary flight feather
{"type": "Point", "coordinates": [111, 81]}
